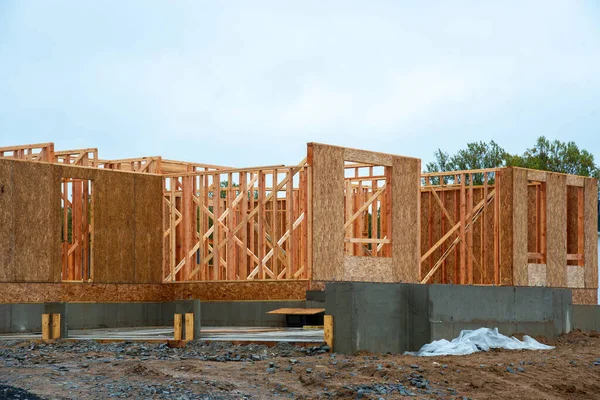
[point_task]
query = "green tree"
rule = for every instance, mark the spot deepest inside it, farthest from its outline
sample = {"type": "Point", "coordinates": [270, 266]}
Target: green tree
{"type": "Point", "coordinates": [557, 156]}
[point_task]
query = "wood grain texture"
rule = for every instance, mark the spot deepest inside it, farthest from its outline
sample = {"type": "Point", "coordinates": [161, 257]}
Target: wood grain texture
{"type": "Point", "coordinates": [406, 246]}
{"type": "Point", "coordinates": [327, 164]}
{"type": "Point", "coordinates": [556, 236]}
{"type": "Point", "coordinates": [585, 296]}
{"type": "Point", "coordinates": [368, 269]}
{"type": "Point", "coordinates": [207, 291]}
{"type": "Point", "coordinates": [590, 243]}
{"type": "Point", "coordinates": [506, 226]}
{"type": "Point", "coordinates": [520, 199]}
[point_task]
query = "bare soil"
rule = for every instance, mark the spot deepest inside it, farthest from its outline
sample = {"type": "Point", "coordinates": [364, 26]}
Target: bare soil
{"type": "Point", "coordinates": [201, 370]}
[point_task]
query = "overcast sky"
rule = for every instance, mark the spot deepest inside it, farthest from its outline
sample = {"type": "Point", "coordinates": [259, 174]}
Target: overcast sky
{"type": "Point", "coordinates": [250, 82]}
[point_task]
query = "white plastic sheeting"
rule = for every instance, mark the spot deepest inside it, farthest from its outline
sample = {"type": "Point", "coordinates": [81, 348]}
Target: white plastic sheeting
{"type": "Point", "coordinates": [481, 339]}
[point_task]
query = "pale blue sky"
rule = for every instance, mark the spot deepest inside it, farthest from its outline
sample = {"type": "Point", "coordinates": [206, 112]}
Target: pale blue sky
{"type": "Point", "coordinates": [250, 82]}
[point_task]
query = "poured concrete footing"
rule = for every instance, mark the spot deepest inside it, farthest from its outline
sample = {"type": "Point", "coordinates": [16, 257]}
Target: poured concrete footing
{"type": "Point", "coordinates": [400, 317]}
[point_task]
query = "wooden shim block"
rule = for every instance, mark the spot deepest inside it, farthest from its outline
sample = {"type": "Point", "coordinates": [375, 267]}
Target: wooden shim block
{"type": "Point", "coordinates": [178, 326]}
{"type": "Point", "coordinates": [556, 232]}
{"type": "Point", "coordinates": [189, 326]}
{"type": "Point", "coordinates": [328, 330]}
{"type": "Point", "coordinates": [46, 327]}
{"type": "Point", "coordinates": [590, 240]}
{"type": "Point", "coordinates": [519, 216]}
{"type": "Point", "coordinates": [55, 318]}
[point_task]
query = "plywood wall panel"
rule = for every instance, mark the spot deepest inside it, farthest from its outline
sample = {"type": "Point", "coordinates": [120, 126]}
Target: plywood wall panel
{"type": "Point", "coordinates": [590, 225]}
{"type": "Point", "coordinates": [36, 214]}
{"type": "Point", "coordinates": [148, 228]}
{"type": "Point", "coordinates": [506, 226]}
{"type": "Point", "coordinates": [25, 292]}
{"type": "Point", "coordinates": [585, 296]}
{"type": "Point", "coordinates": [368, 269]}
{"type": "Point", "coordinates": [327, 211]}
{"type": "Point", "coordinates": [406, 173]}
{"type": "Point", "coordinates": [7, 222]}
{"type": "Point", "coordinates": [556, 235]}
{"type": "Point", "coordinates": [520, 199]}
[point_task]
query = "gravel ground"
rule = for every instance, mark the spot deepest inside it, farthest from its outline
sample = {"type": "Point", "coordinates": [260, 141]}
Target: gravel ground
{"type": "Point", "coordinates": [220, 370]}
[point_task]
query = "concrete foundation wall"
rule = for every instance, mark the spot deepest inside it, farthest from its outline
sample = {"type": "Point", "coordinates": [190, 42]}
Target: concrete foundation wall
{"type": "Point", "coordinates": [245, 313]}
{"type": "Point", "coordinates": [402, 317]}
{"type": "Point", "coordinates": [28, 317]}
{"type": "Point", "coordinates": [586, 317]}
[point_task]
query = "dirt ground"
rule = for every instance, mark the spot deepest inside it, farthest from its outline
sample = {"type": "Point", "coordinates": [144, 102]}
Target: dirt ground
{"type": "Point", "coordinates": [88, 370]}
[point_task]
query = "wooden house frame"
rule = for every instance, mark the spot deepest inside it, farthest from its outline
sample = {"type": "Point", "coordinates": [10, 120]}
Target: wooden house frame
{"type": "Point", "coordinates": [150, 228]}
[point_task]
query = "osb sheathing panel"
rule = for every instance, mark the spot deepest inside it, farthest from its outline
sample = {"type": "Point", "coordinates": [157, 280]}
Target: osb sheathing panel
{"type": "Point", "coordinates": [406, 218]}
{"type": "Point", "coordinates": [98, 292]}
{"type": "Point", "coordinates": [30, 214]}
{"type": "Point", "coordinates": [368, 269]}
{"type": "Point", "coordinates": [148, 232]}
{"type": "Point", "coordinates": [31, 234]}
{"type": "Point", "coordinates": [114, 228]}
{"type": "Point", "coordinates": [556, 234]}
{"type": "Point", "coordinates": [327, 211]}
{"type": "Point", "coordinates": [369, 157]}
{"type": "Point", "coordinates": [7, 222]}
{"type": "Point", "coordinates": [590, 233]}
{"type": "Point", "coordinates": [574, 180]}
{"type": "Point", "coordinates": [506, 226]}
{"type": "Point", "coordinates": [585, 296]}
{"type": "Point", "coordinates": [536, 175]}
{"type": "Point", "coordinates": [520, 227]}
{"type": "Point", "coordinates": [536, 275]}
{"type": "Point", "coordinates": [575, 276]}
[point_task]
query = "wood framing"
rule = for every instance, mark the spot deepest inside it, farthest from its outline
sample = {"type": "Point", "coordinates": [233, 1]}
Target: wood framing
{"type": "Point", "coordinates": [83, 228]}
